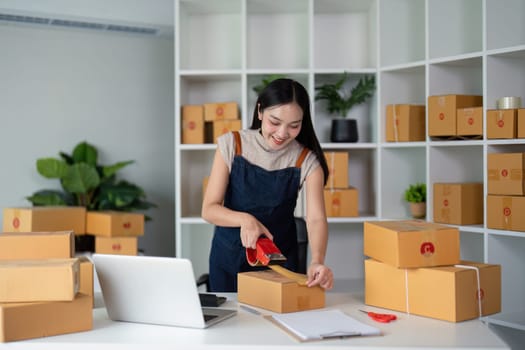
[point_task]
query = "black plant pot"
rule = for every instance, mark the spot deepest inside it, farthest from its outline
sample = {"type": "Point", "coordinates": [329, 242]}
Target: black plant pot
{"type": "Point", "coordinates": [344, 130]}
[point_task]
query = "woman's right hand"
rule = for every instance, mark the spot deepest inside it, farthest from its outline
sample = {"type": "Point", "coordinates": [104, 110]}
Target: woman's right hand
{"type": "Point", "coordinates": [251, 230]}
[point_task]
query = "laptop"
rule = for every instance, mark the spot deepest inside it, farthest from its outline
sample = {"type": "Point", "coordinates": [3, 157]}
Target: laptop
{"type": "Point", "coordinates": [153, 290]}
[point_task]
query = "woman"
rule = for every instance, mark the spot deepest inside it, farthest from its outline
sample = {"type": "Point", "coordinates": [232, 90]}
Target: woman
{"type": "Point", "coordinates": [254, 182]}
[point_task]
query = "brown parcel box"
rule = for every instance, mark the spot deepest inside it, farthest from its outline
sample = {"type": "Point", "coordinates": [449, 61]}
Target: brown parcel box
{"type": "Point", "coordinates": [447, 293]}
{"type": "Point", "coordinates": [269, 290]}
{"type": "Point", "coordinates": [506, 212]}
{"type": "Point", "coordinates": [20, 321]}
{"type": "Point", "coordinates": [193, 124]}
{"type": "Point", "coordinates": [501, 123]}
{"type": "Point", "coordinates": [217, 128]}
{"type": "Point", "coordinates": [338, 169]}
{"type": "Point", "coordinates": [405, 122]}
{"type": "Point", "coordinates": [458, 203]}
{"type": "Point", "coordinates": [116, 245]}
{"type": "Point", "coordinates": [442, 112]}
{"type": "Point", "coordinates": [220, 111]}
{"type": "Point", "coordinates": [37, 245]}
{"type": "Point", "coordinates": [521, 123]}
{"type": "Point", "coordinates": [470, 121]}
{"type": "Point", "coordinates": [411, 243]}
{"type": "Point", "coordinates": [41, 219]}
{"type": "Point", "coordinates": [506, 173]}
{"type": "Point", "coordinates": [114, 224]}
{"type": "Point", "coordinates": [341, 202]}
{"type": "Point", "coordinates": [86, 286]}
{"type": "Point", "coordinates": [39, 280]}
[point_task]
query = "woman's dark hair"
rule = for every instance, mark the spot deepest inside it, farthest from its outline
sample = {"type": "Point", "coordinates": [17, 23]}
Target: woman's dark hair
{"type": "Point", "coordinates": [283, 91]}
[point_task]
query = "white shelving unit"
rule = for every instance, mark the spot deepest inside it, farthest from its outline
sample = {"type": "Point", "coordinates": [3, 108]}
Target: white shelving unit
{"type": "Point", "coordinates": [415, 48]}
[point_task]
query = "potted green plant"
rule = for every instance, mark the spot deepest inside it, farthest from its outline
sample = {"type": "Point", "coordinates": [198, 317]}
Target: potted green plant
{"type": "Point", "coordinates": [416, 196]}
{"type": "Point", "coordinates": [340, 101]}
{"type": "Point", "coordinates": [267, 79]}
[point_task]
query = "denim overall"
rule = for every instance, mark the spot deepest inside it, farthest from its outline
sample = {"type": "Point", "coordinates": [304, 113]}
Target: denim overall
{"type": "Point", "coordinates": [271, 197]}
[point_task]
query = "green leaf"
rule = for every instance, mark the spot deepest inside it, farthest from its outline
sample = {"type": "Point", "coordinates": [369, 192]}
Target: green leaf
{"type": "Point", "coordinates": [80, 178]}
{"type": "Point", "coordinates": [118, 196]}
{"type": "Point", "coordinates": [48, 197]}
{"type": "Point", "coordinates": [110, 170]}
{"type": "Point", "coordinates": [51, 168]}
{"type": "Point", "coordinates": [85, 153]}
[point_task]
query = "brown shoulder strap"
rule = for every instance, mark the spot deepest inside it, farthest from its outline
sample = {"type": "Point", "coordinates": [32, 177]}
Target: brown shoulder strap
{"type": "Point", "coordinates": [301, 158]}
{"type": "Point", "coordinates": [238, 146]}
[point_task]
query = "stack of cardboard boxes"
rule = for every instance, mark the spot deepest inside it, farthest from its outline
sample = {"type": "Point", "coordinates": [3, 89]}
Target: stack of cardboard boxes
{"type": "Point", "coordinates": [204, 123]}
{"type": "Point", "coordinates": [506, 191]}
{"type": "Point", "coordinates": [341, 200]}
{"type": "Point", "coordinates": [506, 123]}
{"type": "Point", "coordinates": [45, 290]}
{"type": "Point", "coordinates": [455, 115]}
{"type": "Point", "coordinates": [414, 267]}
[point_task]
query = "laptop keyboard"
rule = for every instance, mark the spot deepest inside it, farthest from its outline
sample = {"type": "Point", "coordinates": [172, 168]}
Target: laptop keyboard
{"type": "Point", "coordinates": [209, 317]}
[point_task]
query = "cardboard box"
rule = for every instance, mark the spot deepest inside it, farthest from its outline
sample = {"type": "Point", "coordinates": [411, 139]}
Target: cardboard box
{"type": "Point", "coordinates": [506, 173]}
{"type": "Point", "coordinates": [405, 122]}
{"type": "Point", "coordinates": [116, 245]}
{"type": "Point", "coordinates": [501, 123]}
{"type": "Point", "coordinates": [114, 224]}
{"type": "Point", "coordinates": [271, 291]}
{"type": "Point", "coordinates": [411, 243]}
{"type": "Point", "coordinates": [39, 280]}
{"type": "Point", "coordinates": [219, 127]}
{"type": "Point", "coordinates": [86, 286]}
{"type": "Point", "coordinates": [338, 169]}
{"type": "Point", "coordinates": [192, 124]}
{"type": "Point", "coordinates": [442, 109]}
{"type": "Point", "coordinates": [341, 202]}
{"type": "Point", "coordinates": [20, 321]}
{"type": "Point", "coordinates": [506, 212]}
{"type": "Point", "coordinates": [45, 219]}
{"type": "Point", "coordinates": [221, 111]}
{"type": "Point", "coordinates": [470, 121]}
{"type": "Point", "coordinates": [37, 245]}
{"type": "Point", "coordinates": [521, 124]}
{"type": "Point", "coordinates": [458, 203]}
{"type": "Point", "coordinates": [448, 293]}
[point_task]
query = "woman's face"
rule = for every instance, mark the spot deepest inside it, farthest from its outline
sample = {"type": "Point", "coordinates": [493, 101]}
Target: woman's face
{"type": "Point", "coordinates": [281, 124]}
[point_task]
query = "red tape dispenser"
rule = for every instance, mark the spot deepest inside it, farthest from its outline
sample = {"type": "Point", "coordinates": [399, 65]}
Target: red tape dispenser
{"type": "Point", "coordinates": [266, 253]}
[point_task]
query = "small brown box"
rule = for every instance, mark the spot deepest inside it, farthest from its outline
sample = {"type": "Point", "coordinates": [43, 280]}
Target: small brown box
{"type": "Point", "coordinates": [501, 123]}
{"type": "Point", "coordinates": [341, 202]}
{"type": "Point", "coordinates": [192, 124]}
{"type": "Point", "coordinates": [442, 109]}
{"type": "Point", "coordinates": [221, 111]}
{"type": "Point", "coordinates": [114, 224]}
{"type": "Point", "coordinates": [470, 121]}
{"type": "Point", "coordinates": [86, 286]}
{"type": "Point", "coordinates": [458, 203]}
{"type": "Point", "coordinates": [45, 219]}
{"type": "Point", "coordinates": [405, 122]}
{"type": "Point", "coordinates": [521, 123]}
{"type": "Point", "coordinates": [217, 128]}
{"type": "Point", "coordinates": [37, 245]}
{"type": "Point", "coordinates": [506, 173]}
{"type": "Point", "coordinates": [506, 212]}
{"type": "Point", "coordinates": [116, 245]}
{"type": "Point", "coordinates": [338, 169]}
{"type": "Point", "coordinates": [271, 291]}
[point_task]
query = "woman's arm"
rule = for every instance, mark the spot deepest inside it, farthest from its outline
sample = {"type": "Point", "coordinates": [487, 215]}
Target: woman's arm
{"type": "Point", "coordinates": [317, 226]}
{"type": "Point", "coordinates": [214, 211]}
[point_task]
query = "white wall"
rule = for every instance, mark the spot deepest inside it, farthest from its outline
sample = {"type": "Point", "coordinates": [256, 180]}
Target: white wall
{"type": "Point", "coordinates": [59, 87]}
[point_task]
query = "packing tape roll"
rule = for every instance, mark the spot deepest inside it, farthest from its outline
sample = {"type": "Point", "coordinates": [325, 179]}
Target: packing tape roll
{"type": "Point", "coordinates": [508, 102]}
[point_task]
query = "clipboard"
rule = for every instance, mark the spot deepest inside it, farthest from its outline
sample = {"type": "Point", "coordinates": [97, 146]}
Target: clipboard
{"type": "Point", "coordinates": [315, 325]}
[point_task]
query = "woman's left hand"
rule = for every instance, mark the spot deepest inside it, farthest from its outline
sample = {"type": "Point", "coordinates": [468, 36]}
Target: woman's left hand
{"type": "Point", "coordinates": [319, 274]}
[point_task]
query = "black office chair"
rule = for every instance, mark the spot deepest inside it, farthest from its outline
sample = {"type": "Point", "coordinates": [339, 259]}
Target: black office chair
{"type": "Point", "coordinates": [302, 254]}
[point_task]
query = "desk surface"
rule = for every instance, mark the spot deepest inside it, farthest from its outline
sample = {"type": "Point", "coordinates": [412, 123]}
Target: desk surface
{"type": "Point", "coordinates": [250, 331]}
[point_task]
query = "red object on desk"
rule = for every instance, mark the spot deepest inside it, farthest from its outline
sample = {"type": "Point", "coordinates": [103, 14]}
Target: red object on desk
{"type": "Point", "coordinates": [383, 318]}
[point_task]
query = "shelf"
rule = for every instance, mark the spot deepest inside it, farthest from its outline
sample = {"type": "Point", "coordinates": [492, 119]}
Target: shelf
{"type": "Point", "coordinates": [514, 320]}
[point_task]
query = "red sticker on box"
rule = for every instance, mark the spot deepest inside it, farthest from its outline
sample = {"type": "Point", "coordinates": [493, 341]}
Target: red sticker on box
{"type": "Point", "coordinates": [16, 222]}
{"type": "Point", "coordinates": [506, 211]}
{"type": "Point", "coordinates": [116, 246]}
{"type": "Point", "coordinates": [445, 203]}
{"type": "Point", "coordinates": [441, 116]}
{"type": "Point", "coordinates": [504, 172]}
{"type": "Point", "coordinates": [470, 121]}
{"type": "Point", "coordinates": [427, 249]}
{"type": "Point", "coordinates": [501, 123]}
{"type": "Point", "coordinates": [219, 111]}
{"type": "Point", "coordinates": [480, 294]}
{"type": "Point", "coordinates": [191, 125]}
{"type": "Point", "coordinates": [126, 225]}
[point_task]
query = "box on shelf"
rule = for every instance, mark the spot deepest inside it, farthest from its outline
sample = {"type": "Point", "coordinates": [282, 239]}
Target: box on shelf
{"type": "Point", "coordinates": [338, 169]}
{"type": "Point", "coordinates": [442, 110]}
{"type": "Point", "coordinates": [116, 245]}
{"type": "Point", "coordinates": [192, 124]}
{"type": "Point", "coordinates": [501, 123]}
{"type": "Point", "coordinates": [506, 173]}
{"type": "Point", "coordinates": [114, 223]}
{"type": "Point", "coordinates": [19, 321]}
{"type": "Point", "coordinates": [447, 293]}
{"type": "Point", "coordinates": [405, 122]}
{"type": "Point", "coordinates": [37, 245]}
{"type": "Point", "coordinates": [506, 212]}
{"type": "Point", "coordinates": [271, 291]}
{"type": "Point", "coordinates": [221, 111]}
{"type": "Point", "coordinates": [341, 202]}
{"type": "Point", "coordinates": [41, 219]}
{"type": "Point", "coordinates": [39, 280]}
{"type": "Point", "coordinates": [458, 203]}
{"type": "Point", "coordinates": [217, 128]}
{"type": "Point", "coordinates": [470, 121]}
{"type": "Point", "coordinates": [411, 243]}
{"type": "Point", "coordinates": [521, 124]}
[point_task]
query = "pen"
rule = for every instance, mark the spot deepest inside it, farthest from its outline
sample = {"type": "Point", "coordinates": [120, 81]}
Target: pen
{"type": "Point", "coordinates": [249, 309]}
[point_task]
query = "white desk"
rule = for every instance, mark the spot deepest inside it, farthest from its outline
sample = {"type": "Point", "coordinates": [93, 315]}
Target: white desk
{"type": "Point", "coordinates": [249, 331]}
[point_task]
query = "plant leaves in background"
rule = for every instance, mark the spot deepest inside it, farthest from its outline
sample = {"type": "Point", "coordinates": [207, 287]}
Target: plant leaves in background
{"type": "Point", "coordinates": [110, 170]}
{"type": "Point", "coordinates": [51, 168]}
{"type": "Point", "coordinates": [85, 153]}
{"type": "Point", "coordinates": [80, 178]}
{"type": "Point", "coordinates": [50, 197]}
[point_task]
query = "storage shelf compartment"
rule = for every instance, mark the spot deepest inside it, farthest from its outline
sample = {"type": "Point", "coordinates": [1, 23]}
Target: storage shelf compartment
{"type": "Point", "coordinates": [334, 47]}
{"type": "Point", "coordinates": [455, 27]}
{"type": "Point", "coordinates": [464, 76]}
{"type": "Point", "coordinates": [194, 244]}
{"type": "Point", "coordinates": [196, 166]}
{"type": "Point", "coordinates": [505, 24]}
{"type": "Point", "coordinates": [471, 246]}
{"type": "Point", "coordinates": [402, 31]}
{"type": "Point", "coordinates": [505, 77]}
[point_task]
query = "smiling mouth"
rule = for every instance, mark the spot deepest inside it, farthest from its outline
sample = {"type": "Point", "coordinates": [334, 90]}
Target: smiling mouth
{"type": "Point", "coordinates": [278, 141]}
